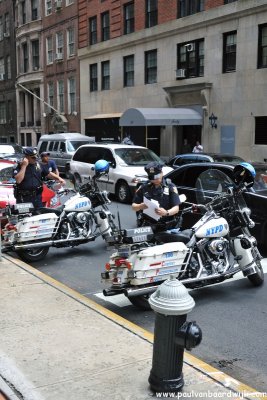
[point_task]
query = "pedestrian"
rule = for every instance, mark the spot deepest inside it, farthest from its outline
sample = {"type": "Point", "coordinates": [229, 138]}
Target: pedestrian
{"type": "Point", "coordinates": [198, 148]}
{"type": "Point", "coordinates": [29, 179]}
{"type": "Point", "coordinates": [186, 147]}
{"type": "Point", "coordinates": [157, 188]}
{"type": "Point", "coordinates": [49, 168]}
{"type": "Point", "coordinates": [127, 139]}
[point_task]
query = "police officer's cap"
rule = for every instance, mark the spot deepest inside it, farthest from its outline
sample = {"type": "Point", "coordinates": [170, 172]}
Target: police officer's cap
{"type": "Point", "coordinates": [153, 170]}
{"type": "Point", "coordinates": [30, 151]}
{"type": "Point", "coordinates": [45, 153]}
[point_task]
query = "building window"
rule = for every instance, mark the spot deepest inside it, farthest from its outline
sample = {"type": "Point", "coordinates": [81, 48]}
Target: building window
{"type": "Point", "coordinates": [7, 24]}
{"type": "Point", "coordinates": [48, 7]}
{"type": "Point", "coordinates": [189, 7]}
{"type": "Point", "coordinates": [260, 130]}
{"type": "Point", "coordinates": [93, 78]}
{"type": "Point", "coordinates": [23, 12]}
{"type": "Point", "coordinates": [2, 67]}
{"type": "Point", "coordinates": [71, 42]}
{"type": "Point", "coordinates": [190, 58]}
{"type": "Point", "coordinates": [262, 54]}
{"type": "Point", "coordinates": [105, 75]}
{"type": "Point", "coordinates": [59, 44]}
{"type": "Point", "coordinates": [128, 71]}
{"type": "Point", "coordinates": [25, 57]}
{"type": "Point", "coordinates": [2, 112]}
{"type": "Point", "coordinates": [151, 66]}
{"type": "Point", "coordinates": [151, 13]}
{"type": "Point", "coordinates": [8, 63]}
{"type": "Point", "coordinates": [50, 90]}
{"type": "Point", "coordinates": [69, 2]}
{"type": "Point", "coordinates": [60, 92]}
{"type": "Point", "coordinates": [105, 26]}
{"type": "Point", "coordinates": [1, 28]}
{"type": "Point", "coordinates": [35, 55]}
{"type": "Point", "coordinates": [49, 50]}
{"type": "Point", "coordinates": [72, 95]}
{"type": "Point", "coordinates": [34, 7]}
{"type": "Point", "coordinates": [128, 18]}
{"type": "Point", "coordinates": [229, 52]}
{"type": "Point", "coordinates": [93, 30]}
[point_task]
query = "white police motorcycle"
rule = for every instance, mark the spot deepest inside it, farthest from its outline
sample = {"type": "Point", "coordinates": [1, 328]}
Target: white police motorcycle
{"type": "Point", "coordinates": [83, 217]}
{"type": "Point", "coordinates": [218, 246]}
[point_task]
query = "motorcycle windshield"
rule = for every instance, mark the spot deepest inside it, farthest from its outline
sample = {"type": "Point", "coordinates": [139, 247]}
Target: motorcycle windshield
{"type": "Point", "coordinates": [210, 183]}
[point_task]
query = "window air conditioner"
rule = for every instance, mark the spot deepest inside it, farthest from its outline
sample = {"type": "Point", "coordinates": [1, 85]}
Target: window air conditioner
{"type": "Point", "coordinates": [58, 4]}
{"type": "Point", "coordinates": [180, 73]}
{"type": "Point", "coordinates": [59, 57]}
{"type": "Point", "coordinates": [6, 34]}
{"type": "Point", "coordinates": [190, 47]}
{"type": "Point", "coordinates": [2, 77]}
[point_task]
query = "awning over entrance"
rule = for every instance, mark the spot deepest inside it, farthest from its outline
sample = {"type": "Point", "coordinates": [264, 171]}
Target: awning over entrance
{"type": "Point", "coordinates": [101, 116]}
{"type": "Point", "coordinates": [160, 117]}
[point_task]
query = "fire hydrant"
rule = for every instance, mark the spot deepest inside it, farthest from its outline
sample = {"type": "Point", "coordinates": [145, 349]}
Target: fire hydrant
{"type": "Point", "coordinates": [172, 334]}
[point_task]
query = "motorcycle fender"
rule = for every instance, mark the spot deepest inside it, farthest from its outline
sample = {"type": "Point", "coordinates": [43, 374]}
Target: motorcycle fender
{"type": "Point", "coordinates": [246, 261]}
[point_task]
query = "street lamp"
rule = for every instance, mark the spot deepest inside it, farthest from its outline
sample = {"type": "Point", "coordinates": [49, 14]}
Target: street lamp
{"type": "Point", "coordinates": [213, 120]}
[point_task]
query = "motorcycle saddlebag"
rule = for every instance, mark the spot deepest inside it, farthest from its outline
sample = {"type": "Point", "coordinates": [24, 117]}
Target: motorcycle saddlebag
{"type": "Point", "coordinates": [36, 227]}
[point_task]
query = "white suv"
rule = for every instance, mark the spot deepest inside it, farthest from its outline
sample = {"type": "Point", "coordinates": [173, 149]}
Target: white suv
{"type": "Point", "coordinates": [126, 166]}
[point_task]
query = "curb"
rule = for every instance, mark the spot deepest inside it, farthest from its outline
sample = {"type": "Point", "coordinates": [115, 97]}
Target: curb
{"type": "Point", "coordinates": [244, 391]}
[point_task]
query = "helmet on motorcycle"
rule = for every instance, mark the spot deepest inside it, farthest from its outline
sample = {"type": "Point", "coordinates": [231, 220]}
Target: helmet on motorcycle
{"type": "Point", "coordinates": [244, 173]}
{"type": "Point", "coordinates": [101, 167]}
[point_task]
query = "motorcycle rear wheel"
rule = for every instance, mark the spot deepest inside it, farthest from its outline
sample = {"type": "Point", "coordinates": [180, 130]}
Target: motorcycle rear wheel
{"type": "Point", "coordinates": [141, 302]}
{"type": "Point", "coordinates": [257, 279]}
{"type": "Point", "coordinates": [35, 254]}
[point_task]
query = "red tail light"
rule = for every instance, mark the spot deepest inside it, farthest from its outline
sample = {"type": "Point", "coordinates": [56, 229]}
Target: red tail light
{"type": "Point", "coordinates": [121, 261]}
{"type": "Point", "coordinates": [107, 266]}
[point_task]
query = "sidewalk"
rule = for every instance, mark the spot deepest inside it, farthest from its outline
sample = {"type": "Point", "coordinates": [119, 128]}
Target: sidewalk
{"type": "Point", "coordinates": [56, 344]}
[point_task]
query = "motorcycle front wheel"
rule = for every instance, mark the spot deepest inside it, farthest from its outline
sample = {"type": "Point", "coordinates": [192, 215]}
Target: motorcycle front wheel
{"type": "Point", "coordinates": [141, 302]}
{"type": "Point", "coordinates": [35, 254]}
{"type": "Point", "coordinates": [257, 279]}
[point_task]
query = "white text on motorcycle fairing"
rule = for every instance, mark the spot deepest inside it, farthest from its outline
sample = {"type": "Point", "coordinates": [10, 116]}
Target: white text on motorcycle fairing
{"type": "Point", "coordinates": [214, 229]}
{"type": "Point", "coordinates": [168, 255]}
{"type": "Point", "coordinates": [142, 230]}
{"type": "Point", "coordinates": [82, 204]}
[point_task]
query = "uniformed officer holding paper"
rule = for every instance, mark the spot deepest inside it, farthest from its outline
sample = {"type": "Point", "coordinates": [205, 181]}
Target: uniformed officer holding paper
{"type": "Point", "coordinates": [160, 190]}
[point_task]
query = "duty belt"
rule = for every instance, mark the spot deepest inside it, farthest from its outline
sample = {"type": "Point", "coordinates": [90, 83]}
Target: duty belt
{"type": "Point", "coordinates": [22, 192]}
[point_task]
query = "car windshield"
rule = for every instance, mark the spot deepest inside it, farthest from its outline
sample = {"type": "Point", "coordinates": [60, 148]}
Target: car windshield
{"type": "Point", "coordinates": [10, 149]}
{"type": "Point", "coordinates": [6, 173]}
{"type": "Point", "coordinates": [74, 144]}
{"type": "Point", "coordinates": [260, 181]}
{"type": "Point", "coordinates": [136, 156]}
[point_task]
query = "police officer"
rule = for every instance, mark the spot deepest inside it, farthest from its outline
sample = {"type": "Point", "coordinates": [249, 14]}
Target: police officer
{"type": "Point", "coordinates": [28, 176]}
{"type": "Point", "coordinates": [161, 190]}
{"type": "Point", "coordinates": [49, 168]}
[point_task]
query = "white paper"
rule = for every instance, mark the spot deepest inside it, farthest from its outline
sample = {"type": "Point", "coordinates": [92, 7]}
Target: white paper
{"type": "Point", "coordinates": [151, 208]}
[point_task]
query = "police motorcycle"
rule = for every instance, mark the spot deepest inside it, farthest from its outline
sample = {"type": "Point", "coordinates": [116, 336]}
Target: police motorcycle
{"type": "Point", "coordinates": [215, 248]}
{"type": "Point", "coordinates": [83, 217]}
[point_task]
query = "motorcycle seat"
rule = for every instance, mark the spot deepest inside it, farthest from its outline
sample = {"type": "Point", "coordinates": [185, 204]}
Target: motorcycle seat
{"type": "Point", "coordinates": [46, 210]}
{"type": "Point", "coordinates": [167, 237]}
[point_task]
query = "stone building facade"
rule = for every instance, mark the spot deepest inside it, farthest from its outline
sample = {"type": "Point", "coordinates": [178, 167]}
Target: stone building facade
{"type": "Point", "coordinates": [158, 54]}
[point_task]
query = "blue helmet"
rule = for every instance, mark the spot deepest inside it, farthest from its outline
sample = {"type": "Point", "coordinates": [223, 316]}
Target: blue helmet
{"type": "Point", "coordinates": [244, 173]}
{"type": "Point", "coordinates": [101, 167]}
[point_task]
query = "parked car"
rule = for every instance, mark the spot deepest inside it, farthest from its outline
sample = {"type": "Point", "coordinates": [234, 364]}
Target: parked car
{"type": "Point", "coordinates": [12, 152]}
{"type": "Point", "coordinates": [185, 178]}
{"type": "Point", "coordinates": [187, 158]}
{"type": "Point", "coordinates": [62, 146]}
{"type": "Point", "coordinates": [6, 183]}
{"type": "Point", "coordinates": [126, 167]}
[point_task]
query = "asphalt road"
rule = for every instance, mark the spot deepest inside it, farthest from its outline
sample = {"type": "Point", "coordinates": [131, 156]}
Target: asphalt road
{"type": "Point", "coordinates": [232, 315]}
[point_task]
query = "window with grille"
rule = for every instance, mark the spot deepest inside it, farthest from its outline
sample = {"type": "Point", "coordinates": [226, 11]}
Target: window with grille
{"type": "Point", "coordinates": [71, 42]}
{"type": "Point", "coordinates": [262, 53]}
{"type": "Point", "coordinates": [105, 75]}
{"type": "Point", "coordinates": [72, 95]}
{"type": "Point", "coordinates": [128, 71]}
{"type": "Point", "coordinates": [151, 66]}
{"type": "Point", "coordinates": [190, 57]}
{"type": "Point", "coordinates": [151, 13]}
{"type": "Point", "coordinates": [189, 7]}
{"type": "Point", "coordinates": [93, 78]}
{"type": "Point", "coordinates": [105, 26]}
{"type": "Point", "coordinates": [128, 18]}
{"type": "Point", "coordinates": [60, 94]}
{"type": "Point", "coordinates": [229, 52]}
{"type": "Point", "coordinates": [93, 30]}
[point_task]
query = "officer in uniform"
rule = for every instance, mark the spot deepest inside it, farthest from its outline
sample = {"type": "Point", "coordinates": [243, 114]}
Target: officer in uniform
{"type": "Point", "coordinates": [28, 176]}
{"type": "Point", "coordinates": [161, 190]}
{"type": "Point", "coordinates": [49, 168]}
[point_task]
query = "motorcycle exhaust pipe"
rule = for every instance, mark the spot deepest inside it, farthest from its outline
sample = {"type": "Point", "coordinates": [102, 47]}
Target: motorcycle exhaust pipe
{"type": "Point", "coordinates": [47, 244]}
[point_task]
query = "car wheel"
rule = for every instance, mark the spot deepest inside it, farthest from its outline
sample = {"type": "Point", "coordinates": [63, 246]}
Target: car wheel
{"type": "Point", "coordinates": [77, 182]}
{"type": "Point", "coordinates": [123, 192]}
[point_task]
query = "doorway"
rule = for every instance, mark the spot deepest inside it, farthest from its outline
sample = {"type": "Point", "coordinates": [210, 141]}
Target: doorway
{"type": "Point", "coordinates": [191, 133]}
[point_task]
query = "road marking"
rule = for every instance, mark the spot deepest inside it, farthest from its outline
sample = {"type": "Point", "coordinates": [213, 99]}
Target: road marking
{"type": "Point", "coordinates": [120, 300]}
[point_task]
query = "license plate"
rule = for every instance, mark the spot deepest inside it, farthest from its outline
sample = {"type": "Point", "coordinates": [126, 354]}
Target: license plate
{"type": "Point", "coordinates": [139, 238]}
